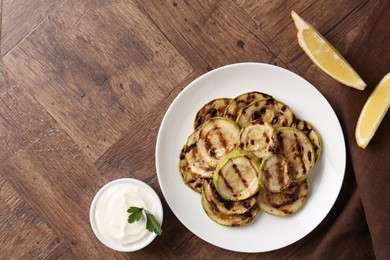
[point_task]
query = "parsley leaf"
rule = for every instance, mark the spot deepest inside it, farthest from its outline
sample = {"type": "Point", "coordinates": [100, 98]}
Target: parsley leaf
{"type": "Point", "coordinates": [151, 223]}
{"type": "Point", "coordinates": [135, 214]}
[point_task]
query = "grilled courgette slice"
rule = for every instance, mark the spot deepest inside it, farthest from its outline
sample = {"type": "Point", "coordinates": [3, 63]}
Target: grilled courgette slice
{"type": "Point", "coordinates": [224, 206]}
{"type": "Point", "coordinates": [287, 202]}
{"type": "Point", "coordinates": [231, 220]}
{"type": "Point", "coordinates": [297, 148]}
{"type": "Point", "coordinates": [195, 162]}
{"type": "Point", "coordinates": [188, 177]}
{"type": "Point", "coordinates": [237, 175]}
{"type": "Point", "coordinates": [214, 108]}
{"type": "Point", "coordinates": [312, 134]}
{"type": "Point", "coordinates": [259, 138]}
{"type": "Point", "coordinates": [267, 110]}
{"type": "Point", "coordinates": [217, 137]}
{"type": "Point", "coordinates": [241, 101]}
{"type": "Point", "coordinates": [276, 173]}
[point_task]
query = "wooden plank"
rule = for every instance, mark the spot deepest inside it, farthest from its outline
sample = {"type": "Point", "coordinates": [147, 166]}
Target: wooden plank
{"type": "Point", "coordinates": [205, 28]}
{"type": "Point", "coordinates": [24, 234]}
{"type": "Point", "coordinates": [20, 17]}
{"type": "Point", "coordinates": [113, 68]}
{"type": "Point", "coordinates": [67, 182]}
{"type": "Point", "coordinates": [61, 250]}
{"type": "Point", "coordinates": [22, 120]}
{"type": "Point", "coordinates": [49, 171]}
{"type": "Point", "coordinates": [273, 16]}
{"type": "Point", "coordinates": [133, 155]}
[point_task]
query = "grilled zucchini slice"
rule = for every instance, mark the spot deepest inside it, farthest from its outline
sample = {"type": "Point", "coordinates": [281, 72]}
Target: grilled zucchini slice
{"type": "Point", "coordinates": [188, 177]}
{"type": "Point", "coordinates": [268, 110]}
{"type": "Point", "coordinates": [214, 108]}
{"type": "Point", "coordinates": [224, 206]}
{"type": "Point", "coordinates": [287, 202]}
{"type": "Point", "coordinates": [241, 101]}
{"type": "Point", "coordinates": [276, 173]}
{"type": "Point", "coordinates": [312, 134]}
{"type": "Point", "coordinates": [297, 148]}
{"type": "Point", "coordinates": [259, 138]}
{"type": "Point", "coordinates": [237, 175]}
{"type": "Point", "coordinates": [195, 162]}
{"type": "Point", "coordinates": [217, 137]}
{"type": "Point", "coordinates": [231, 220]}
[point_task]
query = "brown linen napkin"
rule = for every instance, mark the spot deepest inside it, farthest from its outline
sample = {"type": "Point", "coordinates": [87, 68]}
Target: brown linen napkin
{"type": "Point", "coordinates": [372, 165]}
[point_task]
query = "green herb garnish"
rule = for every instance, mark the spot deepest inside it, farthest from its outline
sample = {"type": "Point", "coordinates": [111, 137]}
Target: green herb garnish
{"type": "Point", "coordinates": [151, 223]}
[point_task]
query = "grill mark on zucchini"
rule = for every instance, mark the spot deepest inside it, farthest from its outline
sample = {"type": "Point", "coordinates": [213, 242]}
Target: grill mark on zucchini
{"type": "Point", "coordinates": [188, 177]}
{"type": "Point", "coordinates": [230, 188]}
{"type": "Point", "coordinates": [189, 148]}
{"type": "Point", "coordinates": [218, 136]}
{"type": "Point", "coordinates": [221, 137]}
{"type": "Point", "coordinates": [238, 172]}
{"type": "Point", "coordinates": [227, 206]}
{"type": "Point", "coordinates": [313, 136]}
{"type": "Point", "coordinates": [182, 155]}
{"type": "Point", "coordinates": [209, 146]}
{"type": "Point", "coordinates": [195, 163]}
{"type": "Point", "coordinates": [281, 175]}
{"type": "Point", "coordinates": [276, 173]}
{"type": "Point", "coordinates": [286, 202]}
{"type": "Point", "coordinates": [269, 110]}
{"type": "Point", "coordinates": [236, 177]}
{"type": "Point", "coordinates": [300, 154]}
{"type": "Point", "coordinates": [214, 108]}
{"type": "Point", "coordinates": [232, 220]}
{"type": "Point", "coordinates": [275, 120]}
{"type": "Point", "coordinates": [234, 108]}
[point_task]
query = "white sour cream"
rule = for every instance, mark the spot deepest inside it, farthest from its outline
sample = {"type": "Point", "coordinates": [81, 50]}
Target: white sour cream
{"type": "Point", "coordinates": [110, 213]}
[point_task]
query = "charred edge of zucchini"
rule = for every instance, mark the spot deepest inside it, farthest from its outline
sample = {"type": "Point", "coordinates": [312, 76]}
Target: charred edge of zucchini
{"type": "Point", "coordinates": [311, 132]}
{"type": "Point", "coordinates": [227, 207]}
{"type": "Point", "coordinates": [232, 220]}
{"type": "Point", "coordinates": [268, 110]}
{"type": "Point", "coordinates": [214, 108]}
{"type": "Point", "coordinates": [292, 199]}
{"type": "Point", "coordinates": [191, 180]}
{"type": "Point", "coordinates": [239, 102]}
{"type": "Point", "coordinates": [195, 163]}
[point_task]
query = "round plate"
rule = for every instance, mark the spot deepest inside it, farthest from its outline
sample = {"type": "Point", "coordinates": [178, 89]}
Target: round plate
{"type": "Point", "coordinates": [265, 232]}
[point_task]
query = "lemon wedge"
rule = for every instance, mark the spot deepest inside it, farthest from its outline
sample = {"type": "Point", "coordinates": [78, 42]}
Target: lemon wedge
{"type": "Point", "coordinates": [373, 112]}
{"type": "Point", "coordinates": [324, 55]}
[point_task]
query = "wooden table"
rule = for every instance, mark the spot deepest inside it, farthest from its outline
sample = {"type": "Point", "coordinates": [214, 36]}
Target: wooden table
{"type": "Point", "coordinates": [84, 86]}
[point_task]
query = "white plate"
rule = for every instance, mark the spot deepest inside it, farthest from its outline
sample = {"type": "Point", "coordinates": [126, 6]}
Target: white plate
{"type": "Point", "coordinates": [266, 232]}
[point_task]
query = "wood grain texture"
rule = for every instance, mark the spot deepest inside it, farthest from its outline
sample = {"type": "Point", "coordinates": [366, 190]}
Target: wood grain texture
{"type": "Point", "coordinates": [219, 41]}
{"type": "Point", "coordinates": [84, 86]}
{"type": "Point", "coordinates": [20, 18]}
{"type": "Point", "coordinates": [21, 228]}
{"type": "Point", "coordinates": [66, 80]}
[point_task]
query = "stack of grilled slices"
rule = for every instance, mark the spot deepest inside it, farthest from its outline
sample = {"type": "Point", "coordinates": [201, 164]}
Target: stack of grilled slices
{"type": "Point", "coordinates": [249, 154]}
